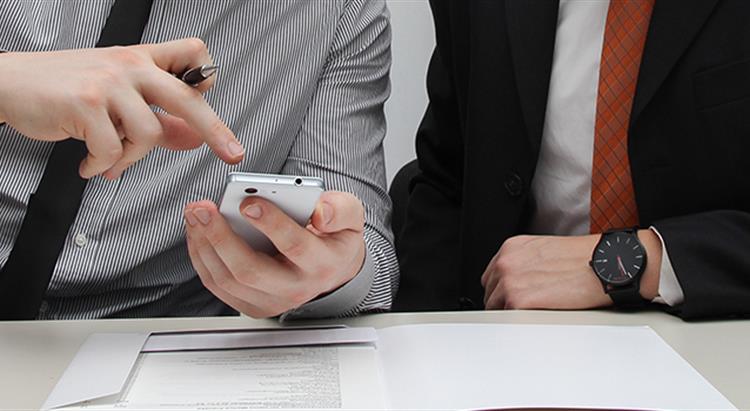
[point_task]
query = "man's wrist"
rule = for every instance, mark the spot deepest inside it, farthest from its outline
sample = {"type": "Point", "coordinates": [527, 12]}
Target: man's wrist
{"type": "Point", "coordinates": [649, 287]}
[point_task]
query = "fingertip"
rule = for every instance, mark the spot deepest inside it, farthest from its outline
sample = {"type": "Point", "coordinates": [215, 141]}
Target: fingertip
{"type": "Point", "coordinates": [190, 219]}
{"type": "Point", "coordinates": [337, 211]}
{"type": "Point", "coordinates": [235, 151]}
{"type": "Point", "coordinates": [201, 204]}
{"type": "Point", "coordinates": [84, 170]}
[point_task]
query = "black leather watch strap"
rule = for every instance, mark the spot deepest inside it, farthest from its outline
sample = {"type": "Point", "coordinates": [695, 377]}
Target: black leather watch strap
{"type": "Point", "coordinates": [627, 297]}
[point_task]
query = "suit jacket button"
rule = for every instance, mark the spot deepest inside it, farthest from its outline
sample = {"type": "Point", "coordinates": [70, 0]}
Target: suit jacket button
{"type": "Point", "coordinates": [514, 184]}
{"type": "Point", "coordinates": [465, 303]}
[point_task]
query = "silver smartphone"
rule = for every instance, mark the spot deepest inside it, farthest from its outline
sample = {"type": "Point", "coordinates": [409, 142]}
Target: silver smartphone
{"type": "Point", "coordinates": [296, 196]}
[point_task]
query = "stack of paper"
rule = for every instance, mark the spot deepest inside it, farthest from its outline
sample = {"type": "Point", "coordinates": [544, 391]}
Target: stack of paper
{"type": "Point", "coordinates": [439, 366]}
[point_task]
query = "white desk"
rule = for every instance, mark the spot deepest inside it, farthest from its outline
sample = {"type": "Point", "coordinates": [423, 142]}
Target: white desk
{"type": "Point", "coordinates": [33, 355]}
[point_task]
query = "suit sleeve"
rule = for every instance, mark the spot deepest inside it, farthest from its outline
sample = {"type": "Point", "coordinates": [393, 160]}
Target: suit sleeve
{"type": "Point", "coordinates": [428, 245]}
{"type": "Point", "coordinates": [710, 253]}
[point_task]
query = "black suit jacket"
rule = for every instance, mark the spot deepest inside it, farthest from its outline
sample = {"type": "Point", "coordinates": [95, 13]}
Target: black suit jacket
{"type": "Point", "coordinates": [689, 147]}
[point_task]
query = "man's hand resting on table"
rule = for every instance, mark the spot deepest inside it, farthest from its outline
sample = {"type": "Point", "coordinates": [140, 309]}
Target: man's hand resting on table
{"type": "Point", "coordinates": [102, 96]}
{"type": "Point", "coordinates": [312, 260]}
{"type": "Point", "coordinates": [544, 272]}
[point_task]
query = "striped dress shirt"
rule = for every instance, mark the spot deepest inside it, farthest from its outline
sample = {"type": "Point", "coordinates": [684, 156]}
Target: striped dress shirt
{"type": "Point", "coordinates": [302, 85]}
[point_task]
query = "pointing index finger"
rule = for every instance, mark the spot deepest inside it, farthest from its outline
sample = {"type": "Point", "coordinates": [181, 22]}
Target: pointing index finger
{"type": "Point", "coordinates": [182, 100]}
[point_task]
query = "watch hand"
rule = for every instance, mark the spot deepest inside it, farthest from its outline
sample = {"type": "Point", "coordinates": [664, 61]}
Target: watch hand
{"type": "Point", "coordinates": [622, 267]}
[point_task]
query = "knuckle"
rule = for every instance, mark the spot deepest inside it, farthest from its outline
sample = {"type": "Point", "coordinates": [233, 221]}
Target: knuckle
{"type": "Point", "coordinates": [152, 134]}
{"type": "Point", "coordinates": [504, 265]}
{"type": "Point", "coordinates": [294, 248]}
{"type": "Point", "coordinates": [223, 282]}
{"type": "Point", "coordinates": [90, 96]}
{"type": "Point", "coordinates": [245, 278]}
{"type": "Point", "coordinates": [195, 45]}
{"type": "Point", "coordinates": [510, 285]}
{"type": "Point", "coordinates": [110, 154]}
{"type": "Point", "coordinates": [217, 241]}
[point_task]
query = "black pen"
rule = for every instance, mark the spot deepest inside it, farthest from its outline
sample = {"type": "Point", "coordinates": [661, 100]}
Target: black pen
{"type": "Point", "coordinates": [196, 75]}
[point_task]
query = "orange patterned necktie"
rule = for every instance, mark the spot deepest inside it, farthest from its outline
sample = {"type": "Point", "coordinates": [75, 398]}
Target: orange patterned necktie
{"type": "Point", "coordinates": [612, 197]}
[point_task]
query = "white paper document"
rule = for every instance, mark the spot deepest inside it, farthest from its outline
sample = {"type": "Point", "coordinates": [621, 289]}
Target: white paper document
{"type": "Point", "coordinates": [324, 377]}
{"type": "Point", "coordinates": [438, 366]}
{"type": "Point", "coordinates": [485, 366]}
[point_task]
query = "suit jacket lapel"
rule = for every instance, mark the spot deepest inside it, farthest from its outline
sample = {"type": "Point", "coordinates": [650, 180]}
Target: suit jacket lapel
{"type": "Point", "coordinates": [532, 26]}
{"type": "Point", "coordinates": [674, 24]}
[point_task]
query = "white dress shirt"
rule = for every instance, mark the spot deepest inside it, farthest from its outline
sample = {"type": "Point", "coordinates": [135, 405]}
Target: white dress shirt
{"type": "Point", "coordinates": [562, 184]}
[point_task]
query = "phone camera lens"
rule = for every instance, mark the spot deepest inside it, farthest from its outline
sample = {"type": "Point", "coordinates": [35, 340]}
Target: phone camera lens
{"type": "Point", "coordinates": [251, 190]}
{"type": "Point", "coordinates": [298, 181]}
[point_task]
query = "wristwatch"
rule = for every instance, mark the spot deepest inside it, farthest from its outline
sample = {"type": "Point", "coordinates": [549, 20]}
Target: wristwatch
{"type": "Point", "coordinates": [619, 260]}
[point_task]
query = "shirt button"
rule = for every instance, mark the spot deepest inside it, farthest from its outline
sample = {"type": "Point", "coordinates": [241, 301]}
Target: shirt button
{"type": "Point", "coordinates": [81, 240]}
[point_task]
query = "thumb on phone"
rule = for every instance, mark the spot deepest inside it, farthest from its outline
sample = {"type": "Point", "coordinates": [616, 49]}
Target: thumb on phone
{"type": "Point", "coordinates": [338, 211]}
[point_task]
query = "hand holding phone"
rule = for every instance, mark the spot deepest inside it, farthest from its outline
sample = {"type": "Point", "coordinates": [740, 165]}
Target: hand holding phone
{"type": "Point", "coordinates": [314, 259]}
{"type": "Point", "coordinates": [295, 196]}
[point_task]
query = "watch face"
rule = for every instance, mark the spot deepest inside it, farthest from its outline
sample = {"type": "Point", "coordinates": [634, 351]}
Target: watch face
{"type": "Point", "coordinates": [618, 258]}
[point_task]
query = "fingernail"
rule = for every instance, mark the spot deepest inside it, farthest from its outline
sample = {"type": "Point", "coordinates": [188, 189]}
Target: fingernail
{"type": "Point", "coordinates": [235, 149]}
{"type": "Point", "coordinates": [190, 218]}
{"type": "Point", "coordinates": [204, 216]}
{"type": "Point", "coordinates": [253, 211]}
{"type": "Point", "coordinates": [326, 212]}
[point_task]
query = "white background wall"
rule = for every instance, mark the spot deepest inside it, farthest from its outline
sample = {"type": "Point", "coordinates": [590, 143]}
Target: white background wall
{"type": "Point", "coordinates": [413, 41]}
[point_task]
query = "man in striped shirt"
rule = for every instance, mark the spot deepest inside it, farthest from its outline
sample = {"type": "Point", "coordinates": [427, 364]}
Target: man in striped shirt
{"type": "Point", "coordinates": [301, 92]}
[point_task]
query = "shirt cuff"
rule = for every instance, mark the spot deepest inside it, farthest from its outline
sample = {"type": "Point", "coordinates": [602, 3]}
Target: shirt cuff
{"type": "Point", "coordinates": [670, 292]}
{"type": "Point", "coordinates": [345, 299]}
